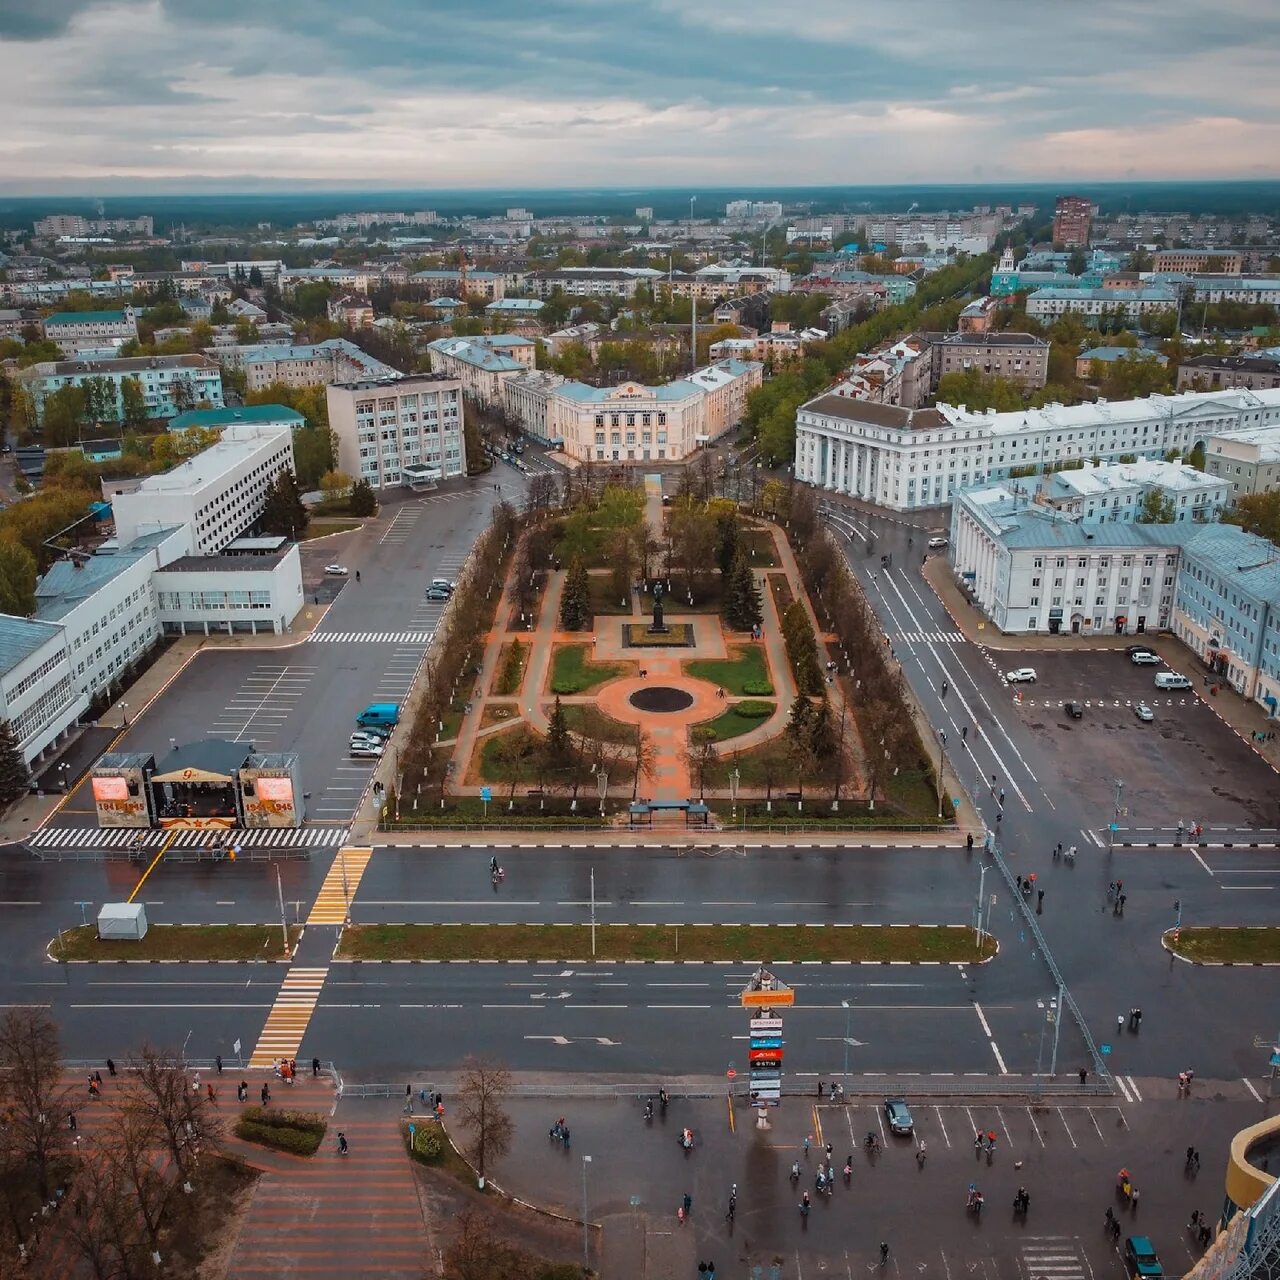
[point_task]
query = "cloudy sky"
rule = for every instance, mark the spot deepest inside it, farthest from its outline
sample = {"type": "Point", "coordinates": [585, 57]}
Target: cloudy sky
{"type": "Point", "coordinates": [484, 93]}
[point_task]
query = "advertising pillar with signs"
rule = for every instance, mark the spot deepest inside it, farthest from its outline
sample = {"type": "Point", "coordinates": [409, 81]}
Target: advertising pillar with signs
{"type": "Point", "coordinates": [763, 997]}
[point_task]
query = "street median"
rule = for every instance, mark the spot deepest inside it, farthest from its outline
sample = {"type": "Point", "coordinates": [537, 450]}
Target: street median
{"type": "Point", "coordinates": [766, 943]}
{"type": "Point", "coordinates": [174, 942]}
{"type": "Point", "coordinates": [1226, 944]}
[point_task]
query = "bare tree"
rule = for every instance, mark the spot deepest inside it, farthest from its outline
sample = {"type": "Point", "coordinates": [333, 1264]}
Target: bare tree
{"type": "Point", "coordinates": [482, 1111]}
{"type": "Point", "coordinates": [701, 756]}
{"type": "Point", "coordinates": [34, 1098]}
{"type": "Point", "coordinates": [646, 760]}
{"type": "Point", "coordinates": [160, 1094]}
{"type": "Point", "coordinates": [128, 1145]}
{"type": "Point", "coordinates": [101, 1224]}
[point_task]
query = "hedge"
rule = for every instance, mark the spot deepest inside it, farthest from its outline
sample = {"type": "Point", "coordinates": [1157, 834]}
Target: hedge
{"type": "Point", "coordinates": [297, 1132]}
{"type": "Point", "coordinates": [749, 710]}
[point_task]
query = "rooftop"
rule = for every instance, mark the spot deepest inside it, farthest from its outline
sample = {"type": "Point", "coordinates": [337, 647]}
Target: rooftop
{"type": "Point", "coordinates": [124, 365]}
{"type": "Point", "coordinates": [257, 562]}
{"type": "Point", "coordinates": [21, 637]}
{"type": "Point", "coordinates": [1109, 354]}
{"type": "Point", "coordinates": [236, 445]}
{"type": "Point", "coordinates": [251, 414]}
{"type": "Point", "coordinates": [880, 415]}
{"type": "Point", "coordinates": [71, 582]}
{"type": "Point", "coordinates": [1257, 362]}
{"type": "Point", "coordinates": [1252, 563]}
{"type": "Point", "coordinates": [87, 317]}
{"type": "Point", "coordinates": [1108, 295]}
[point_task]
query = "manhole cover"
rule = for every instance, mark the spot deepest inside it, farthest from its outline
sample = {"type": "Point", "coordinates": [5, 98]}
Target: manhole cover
{"type": "Point", "coordinates": [661, 697]}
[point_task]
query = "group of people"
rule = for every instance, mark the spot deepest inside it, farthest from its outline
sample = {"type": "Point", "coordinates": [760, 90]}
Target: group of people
{"type": "Point", "coordinates": [559, 1132]}
{"type": "Point", "coordinates": [1200, 1228]}
{"type": "Point", "coordinates": [835, 1091]}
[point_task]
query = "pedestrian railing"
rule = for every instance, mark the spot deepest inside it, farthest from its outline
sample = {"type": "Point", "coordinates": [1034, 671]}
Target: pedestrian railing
{"type": "Point", "coordinates": [272, 854]}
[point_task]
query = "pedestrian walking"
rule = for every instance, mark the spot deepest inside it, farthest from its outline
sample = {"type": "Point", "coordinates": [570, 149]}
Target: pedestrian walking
{"type": "Point", "coordinates": [1120, 901]}
{"type": "Point", "coordinates": [217, 1063]}
{"type": "Point", "coordinates": [1084, 1074]}
{"type": "Point", "coordinates": [408, 1099]}
{"type": "Point", "coordinates": [807, 1140]}
{"type": "Point", "coordinates": [1002, 797]}
{"type": "Point", "coordinates": [688, 1204]}
{"type": "Point", "coordinates": [1039, 899]}
{"type": "Point", "coordinates": [315, 1067]}
{"type": "Point", "coordinates": [1195, 1162]}
{"type": "Point", "coordinates": [821, 1086]}
{"type": "Point", "coordinates": [964, 733]}
{"type": "Point", "coordinates": [945, 687]}
{"type": "Point", "coordinates": [213, 1094]}
{"type": "Point", "coordinates": [71, 1121]}
{"type": "Point", "coordinates": [1119, 1023]}
{"type": "Point", "coordinates": [884, 1253]}
{"type": "Point", "coordinates": [111, 1067]}
{"type": "Point", "coordinates": [242, 1092]}
{"type": "Point", "coordinates": [266, 1093]}
{"type": "Point", "coordinates": [920, 1154]}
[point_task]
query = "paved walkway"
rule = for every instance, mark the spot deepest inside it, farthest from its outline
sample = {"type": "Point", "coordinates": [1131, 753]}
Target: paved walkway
{"type": "Point", "coordinates": [329, 1215]}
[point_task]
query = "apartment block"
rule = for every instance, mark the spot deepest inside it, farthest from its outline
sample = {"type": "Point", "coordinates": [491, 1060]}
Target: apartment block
{"type": "Point", "coordinates": [407, 432]}
{"type": "Point", "coordinates": [76, 331]}
{"type": "Point", "coordinates": [482, 364]}
{"type": "Point", "coordinates": [1020, 357]}
{"type": "Point", "coordinates": [1209, 373]}
{"type": "Point", "coordinates": [1227, 262]}
{"type": "Point", "coordinates": [169, 384]}
{"type": "Point", "coordinates": [1072, 216]}
{"type": "Point", "coordinates": [315, 364]}
{"type": "Point", "coordinates": [1093, 304]}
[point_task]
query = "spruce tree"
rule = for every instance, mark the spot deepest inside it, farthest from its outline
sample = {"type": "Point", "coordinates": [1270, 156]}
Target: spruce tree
{"type": "Point", "coordinates": [283, 512]}
{"type": "Point", "coordinates": [15, 777]}
{"type": "Point", "coordinates": [742, 609]}
{"type": "Point", "coordinates": [559, 743]}
{"type": "Point", "coordinates": [362, 501]}
{"type": "Point", "coordinates": [727, 542]}
{"type": "Point", "coordinates": [575, 601]}
{"type": "Point", "coordinates": [801, 718]}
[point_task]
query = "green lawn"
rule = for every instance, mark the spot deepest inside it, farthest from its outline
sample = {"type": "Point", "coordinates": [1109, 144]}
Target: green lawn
{"type": "Point", "coordinates": [1223, 945]}
{"type": "Point", "coordinates": [572, 670]}
{"type": "Point", "coordinates": [493, 768]}
{"type": "Point", "coordinates": [746, 666]}
{"type": "Point", "coordinates": [761, 549]}
{"type": "Point", "coordinates": [178, 942]}
{"type": "Point", "coordinates": [591, 721]}
{"type": "Point", "coordinates": [733, 724]}
{"type": "Point", "coordinates": [736, 943]}
{"type": "Point", "coordinates": [706, 599]}
{"type": "Point", "coordinates": [604, 599]}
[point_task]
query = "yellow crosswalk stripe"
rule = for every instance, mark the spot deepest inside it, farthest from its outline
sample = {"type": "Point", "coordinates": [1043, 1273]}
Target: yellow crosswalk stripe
{"type": "Point", "coordinates": [339, 887]}
{"type": "Point", "coordinates": [287, 1022]}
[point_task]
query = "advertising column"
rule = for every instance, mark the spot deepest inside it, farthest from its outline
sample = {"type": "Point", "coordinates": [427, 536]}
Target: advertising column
{"type": "Point", "coordinates": [763, 998]}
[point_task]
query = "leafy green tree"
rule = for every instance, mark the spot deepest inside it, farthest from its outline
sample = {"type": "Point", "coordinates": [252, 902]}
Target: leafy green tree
{"type": "Point", "coordinates": [979, 391]}
{"type": "Point", "coordinates": [17, 579]}
{"type": "Point", "coordinates": [63, 415]}
{"type": "Point", "coordinates": [15, 777]}
{"type": "Point", "coordinates": [135, 404]}
{"type": "Point", "coordinates": [1257, 513]}
{"type": "Point", "coordinates": [575, 600]}
{"type": "Point", "coordinates": [728, 529]}
{"type": "Point", "coordinates": [363, 501]}
{"type": "Point", "coordinates": [311, 300]}
{"type": "Point", "coordinates": [284, 512]}
{"type": "Point", "coordinates": [1157, 508]}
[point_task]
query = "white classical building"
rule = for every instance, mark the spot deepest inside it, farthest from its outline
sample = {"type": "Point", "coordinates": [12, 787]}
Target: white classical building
{"type": "Point", "coordinates": [909, 458]}
{"type": "Point", "coordinates": [633, 422]}
{"type": "Point", "coordinates": [390, 432]}
{"type": "Point", "coordinates": [1117, 491]}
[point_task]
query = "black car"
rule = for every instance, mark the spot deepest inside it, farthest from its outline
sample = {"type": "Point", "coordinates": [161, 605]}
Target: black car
{"type": "Point", "coordinates": [1074, 710]}
{"type": "Point", "coordinates": [1138, 648]}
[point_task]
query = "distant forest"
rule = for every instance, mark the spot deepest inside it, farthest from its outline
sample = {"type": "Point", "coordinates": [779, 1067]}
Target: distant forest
{"type": "Point", "coordinates": [283, 208]}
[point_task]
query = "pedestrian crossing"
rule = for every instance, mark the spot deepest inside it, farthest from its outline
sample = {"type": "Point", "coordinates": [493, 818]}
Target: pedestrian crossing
{"type": "Point", "coordinates": [289, 1017]}
{"type": "Point", "coordinates": [339, 887]}
{"type": "Point", "coordinates": [1053, 1258]}
{"type": "Point", "coordinates": [371, 637]}
{"type": "Point", "coordinates": [120, 837]}
{"type": "Point", "coordinates": [932, 637]}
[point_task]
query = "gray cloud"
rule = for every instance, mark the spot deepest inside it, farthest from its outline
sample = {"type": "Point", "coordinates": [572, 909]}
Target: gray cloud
{"type": "Point", "coordinates": [38, 19]}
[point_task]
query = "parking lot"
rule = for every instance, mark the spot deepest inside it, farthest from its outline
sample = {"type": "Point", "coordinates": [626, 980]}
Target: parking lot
{"type": "Point", "coordinates": [1183, 764]}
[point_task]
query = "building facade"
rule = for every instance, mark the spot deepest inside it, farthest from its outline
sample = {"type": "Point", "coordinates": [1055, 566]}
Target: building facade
{"type": "Point", "coordinates": [76, 331]}
{"type": "Point", "coordinates": [1209, 373]}
{"type": "Point", "coordinates": [1019, 357]}
{"type": "Point", "coordinates": [1072, 216]}
{"type": "Point", "coordinates": [39, 696]}
{"type": "Point", "coordinates": [1227, 262]}
{"type": "Point", "coordinates": [908, 458]}
{"type": "Point", "coordinates": [169, 384]}
{"type": "Point", "coordinates": [315, 364]}
{"type": "Point", "coordinates": [1249, 461]}
{"type": "Point", "coordinates": [1093, 304]}
{"type": "Point", "coordinates": [482, 365]}
{"type": "Point", "coordinates": [385, 428]}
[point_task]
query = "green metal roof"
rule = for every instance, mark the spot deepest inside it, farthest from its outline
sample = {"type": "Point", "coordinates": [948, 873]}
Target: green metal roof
{"type": "Point", "coordinates": [86, 317]}
{"type": "Point", "coordinates": [243, 414]}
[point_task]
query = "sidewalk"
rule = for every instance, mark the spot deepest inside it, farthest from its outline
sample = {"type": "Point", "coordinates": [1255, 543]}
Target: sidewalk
{"type": "Point", "coordinates": [1245, 718]}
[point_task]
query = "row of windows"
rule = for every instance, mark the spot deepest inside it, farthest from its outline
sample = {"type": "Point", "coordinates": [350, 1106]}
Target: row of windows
{"type": "Point", "coordinates": [213, 601]}
{"type": "Point", "coordinates": [29, 682]}
{"type": "Point", "coordinates": [44, 709]}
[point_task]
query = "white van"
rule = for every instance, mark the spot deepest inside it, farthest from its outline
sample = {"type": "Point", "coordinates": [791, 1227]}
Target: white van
{"type": "Point", "coordinates": [1172, 680]}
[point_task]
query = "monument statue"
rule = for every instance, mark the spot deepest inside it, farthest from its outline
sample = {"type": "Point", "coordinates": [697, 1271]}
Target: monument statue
{"type": "Point", "coordinates": [657, 627]}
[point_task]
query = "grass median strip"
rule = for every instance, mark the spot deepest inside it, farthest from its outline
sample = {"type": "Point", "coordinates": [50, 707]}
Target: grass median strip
{"type": "Point", "coordinates": [735, 942]}
{"type": "Point", "coordinates": [1226, 945]}
{"type": "Point", "coordinates": [178, 942]}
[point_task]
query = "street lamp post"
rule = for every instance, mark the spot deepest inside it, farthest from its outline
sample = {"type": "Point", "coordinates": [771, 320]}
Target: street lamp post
{"type": "Point", "coordinates": [982, 877]}
{"type": "Point", "coordinates": [1115, 821]}
{"type": "Point", "coordinates": [603, 778]}
{"type": "Point", "coordinates": [124, 715]}
{"type": "Point", "coordinates": [586, 1238]}
{"type": "Point", "coordinates": [848, 1034]}
{"type": "Point", "coordinates": [734, 778]}
{"type": "Point", "coordinates": [940, 749]}
{"type": "Point", "coordinates": [1049, 1008]}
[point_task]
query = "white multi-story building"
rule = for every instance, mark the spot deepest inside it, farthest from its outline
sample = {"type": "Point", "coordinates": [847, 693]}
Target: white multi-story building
{"type": "Point", "coordinates": [76, 331]}
{"type": "Point", "coordinates": [1254, 291]}
{"type": "Point", "coordinates": [1118, 491]}
{"type": "Point", "coordinates": [904, 458]}
{"type": "Point", "coordinates": [169, 384]}
{"type": "Point", "coordinates": [1093, 304]}
{"type": "Point", "coordinates": [392, 433]}
{"type": "Point", "coordinates": [482, 365]}
{"type": "Point", "coordinates": [218, 494]}
{"type": "Point", "coordinates": [592, 282]}
{"type": "Point", "coordinates": [314, 364]}
{"type": "Point", "coordinates": [39, 696]}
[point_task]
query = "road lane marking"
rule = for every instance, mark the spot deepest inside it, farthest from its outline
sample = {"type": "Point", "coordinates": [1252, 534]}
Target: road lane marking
{"type": "Point", "coordinates": [1248, 1084]}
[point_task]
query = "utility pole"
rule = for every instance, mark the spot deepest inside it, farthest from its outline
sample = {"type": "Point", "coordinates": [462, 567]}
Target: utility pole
{"type": "Point", "coordinates": [284, 923]}
{"type": "Point", "coordinates": [982, 879]}
{"type": "Point", "coordinates": [586, 1245]}
{"type": "Point", "coordinates": [1057, 1023]}
{"type": "Point", "coordinates": [1115, 822]}
{"type": "Point", "coordinates": [593, 912]}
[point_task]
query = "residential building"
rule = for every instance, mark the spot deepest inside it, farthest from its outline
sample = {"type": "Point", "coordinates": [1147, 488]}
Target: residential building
{"type": "Point", "coordinates": [351, 310]}
{"type": "Point", "coordinates": [778, 346]}
{"type": "Point", "coordinates": [13, 322]}
{"type": "Point", "coordinates": [1105, 356]}
{"type": "Point", "coordinates": [645, 213]}
{"type": "Point", "coordinates": [252, 415]}
{"type": "Point", "coordinates": [404, 432]}
{"type": "Point", "coordinates": [483, 284]}
{"type": "Point", "coordinates": [1254, 291]}
{"type": "Point", "coordinates": [169, 384]}
{"type": "Point", "coordinates": [977, 316]}
{"type": "Point", "coordinates": [906, 458]}
{"type": "Point", "coordinates": [1208, 373]}
{"type": "Point", "coordinates": [1117, 491]}
{"type": "Point", "coordinates": [217, 495]}
{"type": "Point", "coordinates": [593, 282]}
{"type": "Point", "coordinates": [1071, 218]}
{"type": "Point", "coordinates": [77, 331]}
{"type": "Point", "coordinates": [1249, 459]}
{"type": "Point", "coordinates": [523, 310]}
{"type": "Point", "coordinates": [481, 365]}
{"type": "Point", "coordinates": [1019, 357]}
{"type": "Point", "coordinates": [58, 225]}
{"type": "Point", "coordinates": [1227, 262]}
{"type": "Point", "coordinates": [583, 333]}
{"type": "Point", "coordinates": [333, 360]}
{"type": "Point", "coordinates": [1093, 304]}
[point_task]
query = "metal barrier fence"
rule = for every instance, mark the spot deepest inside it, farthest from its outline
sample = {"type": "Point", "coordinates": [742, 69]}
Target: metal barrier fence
{"type": "Point", "coordinates": [658, 829]}
{"type": "Point", "coordinates": [272, 854]}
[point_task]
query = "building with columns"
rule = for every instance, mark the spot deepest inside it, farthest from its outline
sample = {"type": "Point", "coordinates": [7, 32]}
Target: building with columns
{"type": "Point", "coordinates": [909, 458]}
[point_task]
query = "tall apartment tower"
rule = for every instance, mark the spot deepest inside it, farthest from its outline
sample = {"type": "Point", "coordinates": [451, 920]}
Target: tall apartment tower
{"type": "Point", "coordinates": [1071, 218]}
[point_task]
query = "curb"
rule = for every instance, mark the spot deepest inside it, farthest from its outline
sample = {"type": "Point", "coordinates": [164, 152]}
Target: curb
{"type": "Point", "coordinates": [1217, 964]}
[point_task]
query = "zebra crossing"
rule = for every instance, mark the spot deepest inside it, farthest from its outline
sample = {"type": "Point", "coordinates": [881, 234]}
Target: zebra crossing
{"type": "Point", "coordinates": [118, 837]}
{"type": "Point", "coordinates": [371, 637]}
{"type": "Point", "coordinates": [932, 637]}
{"type": "Point", "coordinates": [339, 887]}
{"type": "Point", "coordinates": [287, 1022]}
{"type": "Point", "coordinates": [1053, 1258]}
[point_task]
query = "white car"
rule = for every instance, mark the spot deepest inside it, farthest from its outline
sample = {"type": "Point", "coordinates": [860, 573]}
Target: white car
{"type": "Point", "coordinates": [1145, 659]}
{"type": "Point", "coordinates": [1021, 675]}
{"type": "Point", "coordinates": [936, 544]}
{"type": "Point", "coordinates": [338, 570]}
{"type": "Point", "coordinates": [365, 751]}
{"type": "Point", "coordinates": [1144, 712]}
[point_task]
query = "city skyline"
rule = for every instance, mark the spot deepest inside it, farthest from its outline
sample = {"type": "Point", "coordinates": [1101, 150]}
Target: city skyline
{"type": "Point", "coordinates": [104, 93]}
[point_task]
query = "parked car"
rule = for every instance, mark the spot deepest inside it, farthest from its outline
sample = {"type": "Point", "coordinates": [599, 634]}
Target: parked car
{"type": "Point", "coordinates": [365, 751]}
{"type": "Point", "coordinates": [436, 593]}
{"type": "Point", "coordinates": [443, 583]}
{"type": "Point", "coordinates": [1074, 710]}
{"type": "Point", "coordinates": [1141, 1258]}
{"type": "Point", "coordinates": [936, 544]}
{"type": "Point", "coordinates": [1172, 680]}
{"type": "Point", "coordinates": [1138, 648]}
{"type": "Point", "coordinates": [898, 1116]}
{"type": "Point", "coordinates": [338, 570]}
{"type": "Point", "coordinates": [1144, 712]}
{"type": "Point", "coordinates": [1021, 675]}
{"type": "Point", "coordinates": [1145, 659]}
